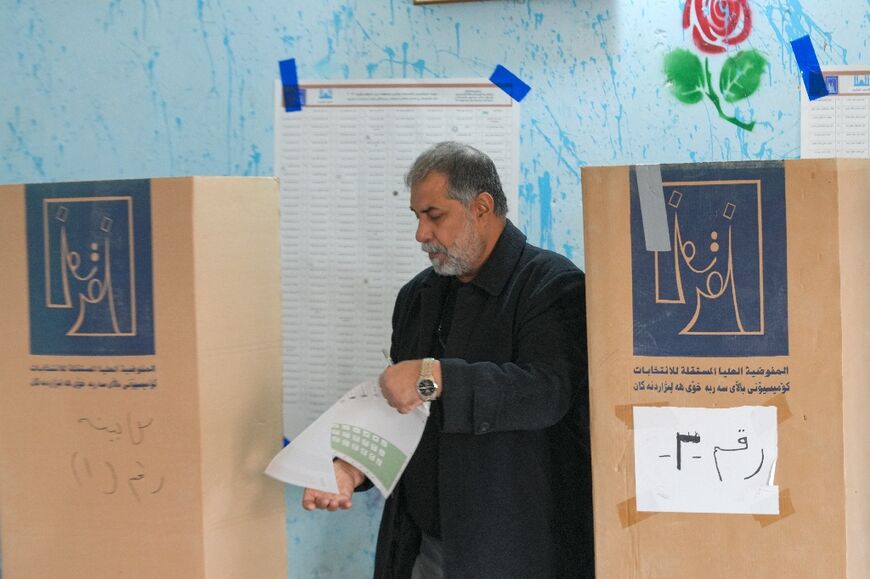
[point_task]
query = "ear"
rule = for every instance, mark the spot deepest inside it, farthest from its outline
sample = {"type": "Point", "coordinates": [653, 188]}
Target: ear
{"type": "Point", "coordinates": [483, 204]}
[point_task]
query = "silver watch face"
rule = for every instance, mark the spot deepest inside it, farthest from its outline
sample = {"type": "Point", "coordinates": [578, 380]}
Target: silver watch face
{"type": "Point", "coordinates": [426, 388]}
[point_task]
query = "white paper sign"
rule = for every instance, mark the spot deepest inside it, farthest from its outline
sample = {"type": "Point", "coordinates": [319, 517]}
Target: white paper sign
{"type": "Point", "coordinates": [346, 226]}
{"type": "Point", "coordinates": [838, 125]}
{"type": "Point", "coordinates": [360, 428]}
{"type": "Point", "coordinates": [706, 460]}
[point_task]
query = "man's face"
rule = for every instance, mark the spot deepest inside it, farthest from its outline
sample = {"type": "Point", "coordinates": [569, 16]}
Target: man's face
{"type": "Point", "coordinates": [446, 230]}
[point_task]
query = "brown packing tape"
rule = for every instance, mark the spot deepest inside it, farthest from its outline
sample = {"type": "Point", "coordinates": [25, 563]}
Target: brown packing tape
{"type": "Point", "coordinates": [786, 508]}
{"type": "Point", "coordinates": [628, 513]}
{"type": "Point", "coordinates": [625, 412]}
{"type": "Point", "coordinates": [783, 412]}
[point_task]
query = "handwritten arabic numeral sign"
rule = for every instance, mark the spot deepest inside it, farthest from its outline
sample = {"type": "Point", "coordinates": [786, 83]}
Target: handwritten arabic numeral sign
{"type": "Point", "coordinates": [98, 470]}
{"type": "Point", "coordinates": [105, 477]}
{"type": "Point", "coordinates": [706, 460]}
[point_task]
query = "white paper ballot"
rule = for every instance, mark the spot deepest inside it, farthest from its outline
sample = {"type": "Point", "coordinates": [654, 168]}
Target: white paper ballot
{"type": "Point", "coordinates": [706, 460]}
{"type": "Point", "coordinates": [360, 428]}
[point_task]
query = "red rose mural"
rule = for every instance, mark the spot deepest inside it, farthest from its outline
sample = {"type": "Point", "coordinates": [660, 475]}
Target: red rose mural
{"type": "Point", "coordinates": [716, 25]}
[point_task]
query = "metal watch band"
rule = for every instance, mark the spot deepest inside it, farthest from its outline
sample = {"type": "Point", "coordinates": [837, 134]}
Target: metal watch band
{"type": "Point", "coordinates": [426, 368]}
{"type": "Point", "coordinates": [427, 388]}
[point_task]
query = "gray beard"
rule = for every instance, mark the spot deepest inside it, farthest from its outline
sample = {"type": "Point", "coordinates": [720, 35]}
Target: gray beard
{"type": "Point", "coordinates": [460, 257]}
{"type": "Point", "coordinates": [454, 265]}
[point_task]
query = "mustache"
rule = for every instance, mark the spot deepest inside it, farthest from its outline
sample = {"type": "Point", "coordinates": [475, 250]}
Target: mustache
{"type": "Point", "coordinates": [433, 248]}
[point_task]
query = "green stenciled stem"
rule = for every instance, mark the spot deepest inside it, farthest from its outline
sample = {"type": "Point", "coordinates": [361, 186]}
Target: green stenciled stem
{"type": "Point", "coordinates": [713, 96]}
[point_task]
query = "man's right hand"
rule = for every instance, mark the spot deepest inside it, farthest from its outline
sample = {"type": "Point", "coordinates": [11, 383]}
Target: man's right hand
{"type": "Point", "coordinates": [348, 478]}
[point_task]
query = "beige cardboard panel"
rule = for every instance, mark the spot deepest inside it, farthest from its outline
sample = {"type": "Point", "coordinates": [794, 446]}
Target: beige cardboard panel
{"type": "Point", "coordinates": [98, 481]}
{"type": "Point", "coordinates": [811, 444]}
{"type": "Point", "coordinates": [606, 242]}
{"type": "Point", "coordinates": [810, 542]}
{"type": "Point", "coordinates": [854, 213]}
{"type": "Point", "coordinates": [13, 340]}
{"type": "Point", "coordinates": [238, 322]}
{"type": "Point", "coordinates": [102, 482]}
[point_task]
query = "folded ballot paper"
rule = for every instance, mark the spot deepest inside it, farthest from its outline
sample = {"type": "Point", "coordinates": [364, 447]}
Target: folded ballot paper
{"type": "Point", "coordinates": [362, 429]}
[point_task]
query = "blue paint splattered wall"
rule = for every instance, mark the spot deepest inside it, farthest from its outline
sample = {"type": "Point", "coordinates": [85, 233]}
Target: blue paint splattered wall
{"type": "Point", "coordinates": [124, 88]}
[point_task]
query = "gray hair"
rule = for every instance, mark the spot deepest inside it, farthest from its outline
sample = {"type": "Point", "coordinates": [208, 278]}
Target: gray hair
{"type": "Point", "coordinates": [469, 172]}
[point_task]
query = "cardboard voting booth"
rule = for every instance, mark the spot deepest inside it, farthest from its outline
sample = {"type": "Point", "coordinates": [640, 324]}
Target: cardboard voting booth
{"type": "Point", "coordinates": [140, 379]}
{"type": "Point", "coordinates": [728, 338]}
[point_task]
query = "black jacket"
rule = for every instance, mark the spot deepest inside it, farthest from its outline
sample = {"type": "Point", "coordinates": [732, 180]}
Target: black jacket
{"type": "Point", "coordinates": [513, 461]}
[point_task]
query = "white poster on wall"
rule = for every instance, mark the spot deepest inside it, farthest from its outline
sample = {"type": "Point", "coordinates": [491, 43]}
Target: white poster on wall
{"type": "Point", "coordinates": [838, 125]}
{"type": "Point", "coordinates": [347, 230]}
{"type": "Point", "coordinates": [706, 460]}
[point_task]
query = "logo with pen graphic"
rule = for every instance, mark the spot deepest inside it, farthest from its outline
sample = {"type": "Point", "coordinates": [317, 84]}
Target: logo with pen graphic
{"type": "Point", "coordinates": [721, 289]}
{"type": "Point", "coordinates": [89, 262]}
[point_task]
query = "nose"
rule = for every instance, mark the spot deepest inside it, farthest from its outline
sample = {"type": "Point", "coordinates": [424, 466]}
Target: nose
{"type": "Point", "coordinates": [424, 233]}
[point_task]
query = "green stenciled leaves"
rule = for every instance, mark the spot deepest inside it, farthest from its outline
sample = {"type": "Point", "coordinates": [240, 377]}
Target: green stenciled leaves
{"type": "Point", "coordinates": [685, 73]}
{"type": "Point", "coordinates": [741, 75]}
{"type": "Point", "coordinates": [716, 26]}
{"type": "Point", "coordinates": [691, 81]}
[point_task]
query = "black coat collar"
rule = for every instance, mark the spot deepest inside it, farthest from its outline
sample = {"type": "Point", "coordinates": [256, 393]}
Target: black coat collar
{"type": "Point", "coordinates": [492, 278]}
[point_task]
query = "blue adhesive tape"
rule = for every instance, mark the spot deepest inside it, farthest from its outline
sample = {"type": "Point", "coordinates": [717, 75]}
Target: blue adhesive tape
{"type": "Point", "coordinates": [509, 83]}
{"type": "Point", "coordinates": [286, 441]}
{"type": "Point", "coordinates": [290, 84]}
{"type": "Point", "coordinates": [811, 72]}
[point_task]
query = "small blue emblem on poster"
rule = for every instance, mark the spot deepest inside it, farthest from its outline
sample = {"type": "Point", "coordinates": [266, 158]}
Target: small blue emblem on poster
{"type": "Point", "coordinates": [89, 263]}
{"type": "Point", "coordinates": [721, 289]}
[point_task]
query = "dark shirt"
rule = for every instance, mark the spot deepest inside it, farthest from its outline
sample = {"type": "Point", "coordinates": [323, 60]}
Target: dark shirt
{"type": "Point", "coordinates": [420, 479]}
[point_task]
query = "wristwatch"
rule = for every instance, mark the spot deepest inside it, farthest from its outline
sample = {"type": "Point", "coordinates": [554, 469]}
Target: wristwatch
{"type": "Point", "coordinates": [427, 388]}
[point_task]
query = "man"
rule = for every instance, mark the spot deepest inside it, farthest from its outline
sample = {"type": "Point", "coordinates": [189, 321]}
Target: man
{"type": "Point", "coordinates": [494, 335]}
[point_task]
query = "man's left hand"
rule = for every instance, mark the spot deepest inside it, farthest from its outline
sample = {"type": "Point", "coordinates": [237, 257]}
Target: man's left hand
{"type": "Point", "coordinates": [399, 384]}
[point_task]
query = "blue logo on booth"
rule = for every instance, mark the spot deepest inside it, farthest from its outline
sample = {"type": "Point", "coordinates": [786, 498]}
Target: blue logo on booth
{"type": "Point", "coordinates": [89, 264]}
{"type": "Point", "coordinates": [722, 287]}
